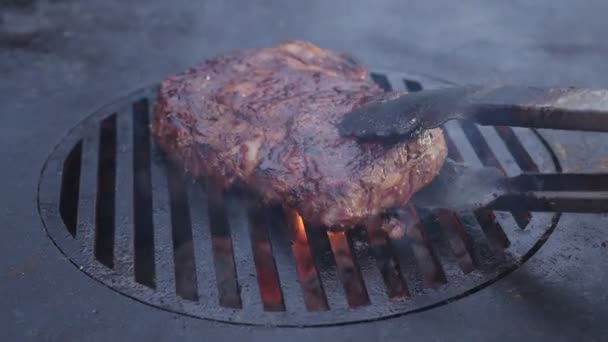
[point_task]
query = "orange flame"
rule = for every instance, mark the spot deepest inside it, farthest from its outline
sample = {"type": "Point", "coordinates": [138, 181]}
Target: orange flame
{"type": "Point", "coordinates": [297, 225]}
{"type": "Point", "coordinates": [336, 238]}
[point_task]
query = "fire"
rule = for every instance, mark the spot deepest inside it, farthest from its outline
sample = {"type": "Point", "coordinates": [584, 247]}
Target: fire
{"type": "Point", "coordinates": [336, 238]}
{"type": "Point", "coordinates": [297, 224]}
{"type": "Point", "coordinates": [305, 265]}
{"type": "Point", "coordinates": [299, 230]}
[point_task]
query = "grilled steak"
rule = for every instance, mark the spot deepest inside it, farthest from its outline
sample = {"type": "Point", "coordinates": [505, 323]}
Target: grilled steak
{"type": "Point", "coordinates": [265, 118]}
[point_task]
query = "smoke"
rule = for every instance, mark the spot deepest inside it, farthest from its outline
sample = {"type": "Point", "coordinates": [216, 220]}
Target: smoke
{"type": "Point", "coordinates": [461, 187]}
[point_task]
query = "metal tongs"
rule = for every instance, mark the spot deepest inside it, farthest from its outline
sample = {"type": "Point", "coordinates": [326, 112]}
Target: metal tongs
{"type": "Point", "coordinates": [555, 108]}
{"type": "Point", "coordinates": [463, 187]}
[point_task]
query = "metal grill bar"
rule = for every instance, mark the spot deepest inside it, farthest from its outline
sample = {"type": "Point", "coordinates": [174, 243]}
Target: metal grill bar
{"type": "Point", "coordinates": [438, 240]}
{"type": "Point", "coordinates": [181, 234]}
{"type": "Point", "coordinates": [488, 222]}
{"type": "Point", "coordinates": [201, 245]}
{"type": "Point", "coordinates": [485, 218]}
{"type": "Point", "coordinates": [314, 294]}
{"type": "Point", "coordinates": [501, 151]}
{"type": "Point", "coordinates": [285, 261]}
{"type": "Point", "coordinates": [225, 269]}
{"type": "Point", "coordinates": [348, 270]}
{"type": "Point", "coordinates": [453, 152]}
{"type": "Point", "coordinates": [88, 193]}
{"type": "Point", "coordinates": [448, 222]}
{"type": "Point", "coordinates": [484, 153]}
{"type": "Point", "coordinates": [408, 266]}
{"type": "Point", "coordinates": [481, 241]}
{"type": "Point", "coordinates": [371, 276]}
{"type": "Point", "coordinates": [459, 242]}
{"type": "Point", "coordinates": [387, 263]}
{"type": "Point", "coordinates": [164, 270]}
{"type": "Point", "coordinates": [426, 259]}
{"type": "Point", "coordinates": [517, 150]}
{"type": "Point", "coordinates": [124, 246]}
{"type": "Point", "coordinates": [509, 169]}
{"type": "Point", "coordinates": [242, 249]}
{"type": "Point", "coordinates": [433, 275]}
{"type": "Point", "coordinates": [326, 266]}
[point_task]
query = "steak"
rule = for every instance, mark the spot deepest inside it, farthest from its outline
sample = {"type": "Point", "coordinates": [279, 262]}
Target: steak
{"type": "Point", "coordinates": [265, 118]}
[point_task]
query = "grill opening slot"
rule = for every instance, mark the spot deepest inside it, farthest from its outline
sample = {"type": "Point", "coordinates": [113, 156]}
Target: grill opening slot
{"type": "Point", "coordinates": [455, 154]}
{"type": "Point", "coordinates": [279, 234]}
{"type": "Point", "coordinates": [70, 188]}
{"type": "Point", "coordinates": [266, 269]}
{"type": "Point", "coordinates": [237, 204]}
{"type": "Point", "coordinates": [221, 242]}
{"type": "Point", "coordinates": [516, 148]}
{"type": "Point", "coordinates": [143, 237]}
{"type": "Point", "coordinates": [449, 223]}
{"type": "Point", "coordinates": [485, 218]}
{"type": "Point", "coordinates": [202, 243]}
{"type": "Point", "coordinates": [348, 269]}
{"type": "Point", "coordinates": [486, 253]}
{"type": "Point", "coordinates": [492, 228]}
{"type": "Point", "coordinates": [386, 262]}
{"type": "Point", "coordinates": [487, 158]}
{"type": "Point", "coordinates": [326, 266]}
{"type": "Point", "coordinates": [412, 86]}
{"type": "Point", "coordinates": [362, 253]}
{"type": "Point", "coordinates": [459, 241]}
{"type": "Point", "coordinates": [106, 183]}
{"type": "Point", "coordinates": [431, 269]}
{"type": "Point", "coordinates": [442, 248]}
{"type": "Point", "coordinates": [181, 232]}
{"type": "Point", "coordinates": [306, 268]}
{"type": "Point", "coordinates": [412, 277]}
{"type": "Point", "coordinates": [164, 263]}
{"type": "Point", "coordinates": [382, 81]}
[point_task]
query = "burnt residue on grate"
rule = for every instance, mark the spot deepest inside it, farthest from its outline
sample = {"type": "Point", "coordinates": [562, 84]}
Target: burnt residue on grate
{"type": "Point", "coordinates": [131, 220]}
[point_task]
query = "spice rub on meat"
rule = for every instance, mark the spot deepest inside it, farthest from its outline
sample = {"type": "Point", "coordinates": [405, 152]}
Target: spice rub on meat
{"type": "Point", "coordinates": [266, 118]}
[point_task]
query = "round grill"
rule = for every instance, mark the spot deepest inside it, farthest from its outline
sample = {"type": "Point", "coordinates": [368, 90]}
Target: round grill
{"type": "Point", "coordinates": [128, 219]}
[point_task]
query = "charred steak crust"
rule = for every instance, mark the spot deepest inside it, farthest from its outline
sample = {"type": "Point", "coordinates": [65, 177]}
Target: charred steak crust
{"type": "Point", "coordinates": [266, 118]}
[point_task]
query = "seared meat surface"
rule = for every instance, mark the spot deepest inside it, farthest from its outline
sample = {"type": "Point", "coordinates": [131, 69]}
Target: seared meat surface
{"type": "Point", "coordinates": [266, 118]}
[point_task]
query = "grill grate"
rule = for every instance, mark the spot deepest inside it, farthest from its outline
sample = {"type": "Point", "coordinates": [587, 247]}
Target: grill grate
{"type": "Point", "coordinates": [127, 218]}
